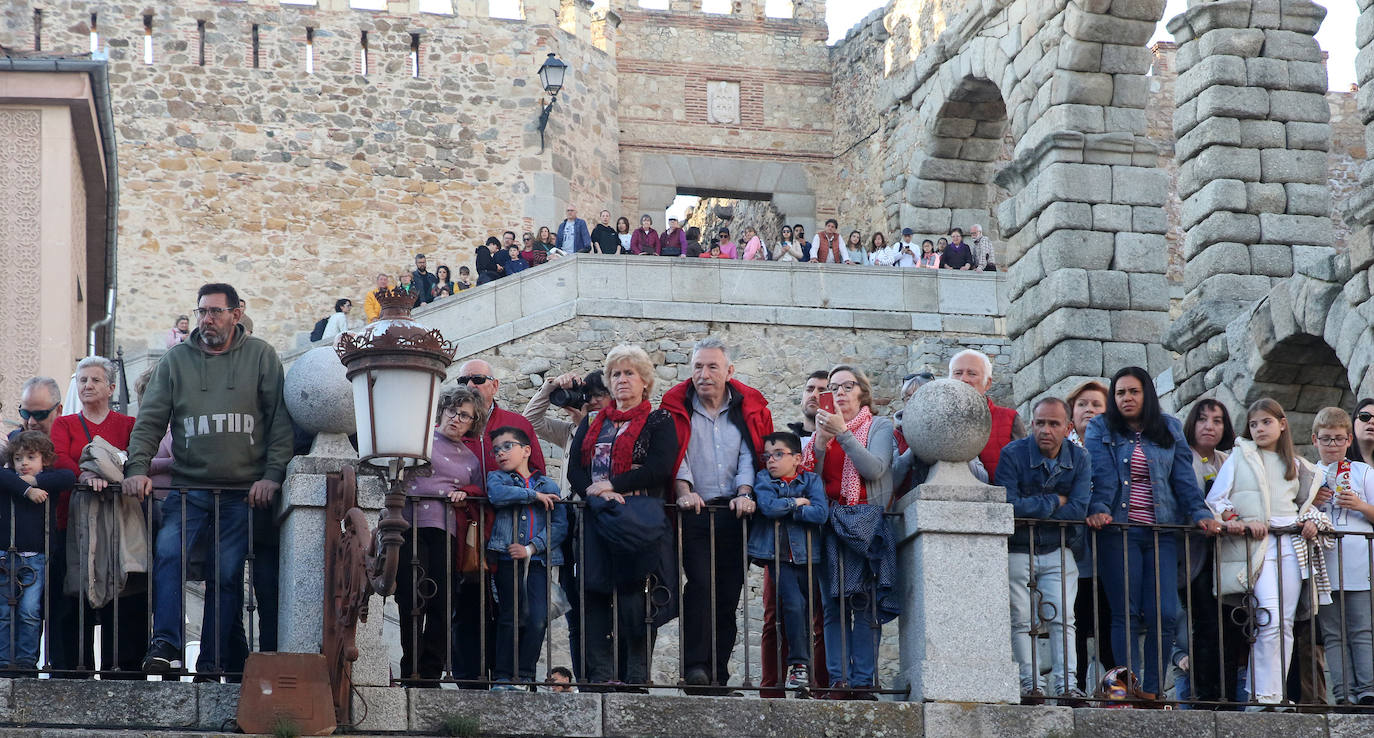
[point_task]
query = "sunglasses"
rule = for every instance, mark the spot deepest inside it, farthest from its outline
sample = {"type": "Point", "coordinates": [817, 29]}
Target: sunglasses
{"type": "Point", "coordinates": [1365, 417]}
{"type": "Point", "coordinates": [475, 379]}
{"type": "Point", "coordinates": [927, 376]}
{"type": "Point", "coordinates": [506, 447]}
{"type": "Point", "coordinates": [39, 415]}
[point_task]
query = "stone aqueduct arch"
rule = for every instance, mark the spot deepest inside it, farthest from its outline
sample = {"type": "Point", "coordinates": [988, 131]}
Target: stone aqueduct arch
{"type": "Point", "coordinates": [1085, 228]}
{"type": "Point", "coordinates": [1294, 322]}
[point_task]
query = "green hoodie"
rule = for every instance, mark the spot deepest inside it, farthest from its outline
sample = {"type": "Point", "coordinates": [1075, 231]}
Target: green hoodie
{"type": "Point", "coordinates": [227, 414]}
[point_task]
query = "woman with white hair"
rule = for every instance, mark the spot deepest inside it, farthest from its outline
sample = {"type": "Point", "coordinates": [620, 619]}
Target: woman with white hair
{"type": "Point", "coordinates": [622, 463]}
{"type": "Point", "coordinates": [71, 434]}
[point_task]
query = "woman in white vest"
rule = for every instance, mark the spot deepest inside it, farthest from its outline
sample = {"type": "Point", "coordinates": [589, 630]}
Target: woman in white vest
{"type": "Point", "coordinates": [1264, 486]}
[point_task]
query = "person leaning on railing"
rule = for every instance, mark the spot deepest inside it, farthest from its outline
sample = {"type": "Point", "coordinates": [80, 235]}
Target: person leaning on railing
{"type": "Point", "coordinates": [1050, 478]}
{"type": "Point", "coordinates": [1142, 475]}
{"type": "Point", "coordinates": [222, 392]}
{"type": "Point", "coordinates": [622, 464]}
{"type": "Point", "coordinates": [1346, 623]}
{"type": "Point", "coordinates": [1264, 486]}
{"type": "Point", "coordinates": [98, 570]}
{"type": "Point", "coordinates": [852, 453]}
{"type": "Point", "coordinates": [445, 528]}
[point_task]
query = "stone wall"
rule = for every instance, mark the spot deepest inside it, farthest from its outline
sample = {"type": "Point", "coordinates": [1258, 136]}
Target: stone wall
{"type": "Point", "coordinates": [298, 188]}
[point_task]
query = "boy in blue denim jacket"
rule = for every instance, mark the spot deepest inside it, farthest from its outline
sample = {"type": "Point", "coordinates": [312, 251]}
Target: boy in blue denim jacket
{"type": "Point", "coordinates": [796, 500]}
{"type": "Point", "coordinates": [525, 539]}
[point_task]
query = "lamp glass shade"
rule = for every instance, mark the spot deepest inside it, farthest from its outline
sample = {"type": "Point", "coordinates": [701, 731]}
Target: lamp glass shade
{"type": "Point", "coordinates": [552, 73]}
{"type": "Point", "coordinates": [395, 409]}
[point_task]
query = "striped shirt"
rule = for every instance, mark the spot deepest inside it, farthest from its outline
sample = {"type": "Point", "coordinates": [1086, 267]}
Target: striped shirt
{"type": "Point", "coordinates": [1141, 492]}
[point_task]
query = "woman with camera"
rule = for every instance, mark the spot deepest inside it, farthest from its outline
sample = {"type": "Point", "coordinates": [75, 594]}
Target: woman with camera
{"type": "Point", "coordinates": [578, 396]}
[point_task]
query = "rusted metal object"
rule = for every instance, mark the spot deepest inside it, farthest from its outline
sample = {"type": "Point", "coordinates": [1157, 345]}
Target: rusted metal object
{"type": "Point", "coordinates": [285, 693]}
{"type": "Point", "coordinates": [348, 548]}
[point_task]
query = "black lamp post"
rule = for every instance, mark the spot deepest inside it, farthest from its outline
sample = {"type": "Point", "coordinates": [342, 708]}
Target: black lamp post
{"type": "Point", "coordinates": [551, 76]}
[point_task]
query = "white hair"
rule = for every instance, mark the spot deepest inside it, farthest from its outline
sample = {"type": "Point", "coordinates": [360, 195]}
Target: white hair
{"type": "Point", "coordinates": [46, 382]}
{"type": "Point", "coordinates": [101, 362]}
{"type": "Point", "coordinates": [976, 227]}
{"type": "Point", "coordinates": [711, 342]}
{"type": "Point", "coordinates": [987, 363]}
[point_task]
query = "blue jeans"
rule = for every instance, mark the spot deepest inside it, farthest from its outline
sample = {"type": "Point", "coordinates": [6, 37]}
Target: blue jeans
{"type": "Point", "coordinates": [523, 599]}
{"type": "Point", "coordinates": [223, 573]}
{"type": "Point", "coordinates": [1056, 579]}
{"type": "Point", "coordinates": [21, 583]}
{"type": "Point", "coordinates": [1128, 574]}
{"type": "Point", "coordinates": [793, 588]}
{"type": "Point", "coordinates": [851, 640]}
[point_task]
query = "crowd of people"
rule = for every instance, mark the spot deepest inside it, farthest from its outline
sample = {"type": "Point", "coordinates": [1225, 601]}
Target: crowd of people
{"type": "Point", "coordinates": [498, 258]}
{"type": "Point", "coordinates": [1105, 487]}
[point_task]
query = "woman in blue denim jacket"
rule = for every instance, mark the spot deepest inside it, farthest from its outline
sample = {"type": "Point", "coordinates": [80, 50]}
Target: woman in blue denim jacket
{"type": "Point", "coordinates": [1142, 476]}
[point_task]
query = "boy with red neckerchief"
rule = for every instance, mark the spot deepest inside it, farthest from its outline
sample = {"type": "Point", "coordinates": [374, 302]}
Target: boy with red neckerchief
{"type": "Point", "coordinates": [1345, 623]}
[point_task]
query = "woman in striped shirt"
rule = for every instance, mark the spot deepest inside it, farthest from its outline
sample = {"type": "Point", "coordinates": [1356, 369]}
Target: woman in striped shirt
{"type": "Point", "coordinates": [1142, 477]}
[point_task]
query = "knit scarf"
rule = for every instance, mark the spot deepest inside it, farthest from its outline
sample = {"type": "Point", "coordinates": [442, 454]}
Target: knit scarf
{"type": "Point", "coordinates": [851, 484]}
{"type": "Point", "coordinates": [623, 448]}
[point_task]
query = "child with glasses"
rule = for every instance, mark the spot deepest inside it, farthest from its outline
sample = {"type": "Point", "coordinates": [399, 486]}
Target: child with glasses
{"type": "Point", "coordinates": [525, 541]}
{"type": "Point", "coordinates": [795, 503]}
{"type": "Point", "coordinates": [23, 560]}
{"type": "Point", "coordinates": [1346, 622]}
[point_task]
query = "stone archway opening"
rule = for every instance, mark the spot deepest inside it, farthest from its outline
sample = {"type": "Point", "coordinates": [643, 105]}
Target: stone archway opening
{"type": "Point", "coordinates": [1303, 373]}
{"type": "Point", "coordinates": [951, 185]}
{"type": "Point", "coordinates": [786, 186]}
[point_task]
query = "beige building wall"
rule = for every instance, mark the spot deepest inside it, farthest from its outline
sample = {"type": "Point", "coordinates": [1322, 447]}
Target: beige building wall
{"type": "Point", "coordinates": [44, 226]}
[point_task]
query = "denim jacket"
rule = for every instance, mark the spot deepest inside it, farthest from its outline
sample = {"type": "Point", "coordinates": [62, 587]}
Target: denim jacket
{"type": "Point", "coordinates": [777, 500]}
{"type": "Point", "coordinates": [1178, 498]}
{"type": "Point", "coordinates": [520, 519]}
{"type": "Point", "coordinates": [1034, 491]}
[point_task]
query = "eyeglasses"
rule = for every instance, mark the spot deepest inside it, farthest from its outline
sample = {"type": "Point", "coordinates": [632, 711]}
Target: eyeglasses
{"type": "Point", "coordinates": [506, 447]}
{"type": "Point", "coordinates": [475, 379]}
{"type": "Point", "coordinates": [202, 312]}
{"type": "Point", "coordinates": [1332, 440]}
{"type": "Point", "coordinates": [845, 386]}
{"type": "Point", "coordinates": [462, 415]}
{"type": "Point", "coordinates": [1364, 417]}
{"type": "Point", "coordinates": [39, 415]}
{"type": "Point", "coordinates": [777, 454]}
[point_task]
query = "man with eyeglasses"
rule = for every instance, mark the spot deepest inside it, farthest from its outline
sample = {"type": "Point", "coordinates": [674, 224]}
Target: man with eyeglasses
{"type": "Point", "coordinates": [221, 392]}
{"type": "Point", "coordinates": [720, 425]}
{"type": "Point", "coordinates": [479, 376]}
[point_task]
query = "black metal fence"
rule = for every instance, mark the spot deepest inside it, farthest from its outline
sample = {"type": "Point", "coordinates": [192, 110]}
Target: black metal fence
{"type": "Point", "coordinates": [475, 618]}
{"type": "Point", "coordinates": [1146, 598]}
{"type": "Point", "coordinates": [95, 594]}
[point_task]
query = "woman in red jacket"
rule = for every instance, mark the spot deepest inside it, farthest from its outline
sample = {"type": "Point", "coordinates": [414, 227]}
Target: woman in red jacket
{"type": "Point", "coordinates": [95, 385]}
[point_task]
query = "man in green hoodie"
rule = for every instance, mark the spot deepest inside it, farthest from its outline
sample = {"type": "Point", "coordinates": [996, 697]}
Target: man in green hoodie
{"type": "Point", "coordinates": [221, 392]}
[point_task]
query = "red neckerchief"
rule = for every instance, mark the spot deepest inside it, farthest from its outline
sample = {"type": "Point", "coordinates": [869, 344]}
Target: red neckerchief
{"type": "Point", "coordinates": [622, 449]}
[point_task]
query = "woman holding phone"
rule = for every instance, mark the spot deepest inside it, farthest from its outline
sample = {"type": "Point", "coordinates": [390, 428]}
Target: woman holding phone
{"type": "Point", "coordinates": [852, 453]}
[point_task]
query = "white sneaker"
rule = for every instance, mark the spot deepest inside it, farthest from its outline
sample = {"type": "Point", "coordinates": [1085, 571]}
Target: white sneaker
{"type": "Point", "coordinates": [798, 677]}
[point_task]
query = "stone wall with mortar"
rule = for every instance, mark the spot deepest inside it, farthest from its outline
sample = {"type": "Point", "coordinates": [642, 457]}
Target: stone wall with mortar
{"type": "Point", "coordinates": [298, 187]}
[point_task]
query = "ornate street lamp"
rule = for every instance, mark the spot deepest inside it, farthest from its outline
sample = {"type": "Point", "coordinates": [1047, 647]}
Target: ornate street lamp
{"type": "Point", "coordinates": [395, 366]}
{"type": "Point", "coordinates": [551, 76]}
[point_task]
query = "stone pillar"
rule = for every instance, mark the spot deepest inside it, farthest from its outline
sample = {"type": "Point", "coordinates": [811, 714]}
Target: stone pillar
{"type": "Point", "coordinates": [604, 31]}
{"type": "Point", "coordinates": [952, 548]}
{"type": "Point", "coordinates": [302, 516]}
{"type": "Point", "coordinates": [1253, 130]}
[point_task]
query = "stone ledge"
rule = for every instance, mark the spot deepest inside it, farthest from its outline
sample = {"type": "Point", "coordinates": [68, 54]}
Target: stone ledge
{"type": "Point", "coordinates": [697, 717]}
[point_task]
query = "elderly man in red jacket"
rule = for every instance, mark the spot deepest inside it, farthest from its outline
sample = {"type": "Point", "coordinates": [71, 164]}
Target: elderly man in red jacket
{"type": "Point", "coordinates": [720, 427]}
{"type": "Point", "coordinates": [481, 378]}
{"type": "Point", "coordinates": [974, 368]}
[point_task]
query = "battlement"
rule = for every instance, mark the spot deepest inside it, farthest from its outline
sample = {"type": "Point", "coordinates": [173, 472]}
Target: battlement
{"type": "Point", "coordinates": [362, 37]}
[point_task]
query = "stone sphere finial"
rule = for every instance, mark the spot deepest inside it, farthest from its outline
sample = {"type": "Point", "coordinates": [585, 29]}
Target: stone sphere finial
{"type": "Point", "coordinates": [318, 393]}
{"type": "Point", "coordinates": [946, 420]}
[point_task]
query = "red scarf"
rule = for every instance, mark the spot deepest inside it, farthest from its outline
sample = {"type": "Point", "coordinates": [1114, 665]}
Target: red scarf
{"type": "Point", "coordinates": [623, 448]}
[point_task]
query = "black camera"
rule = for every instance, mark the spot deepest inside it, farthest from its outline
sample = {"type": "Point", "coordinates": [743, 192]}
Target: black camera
{"type": "Point", "coordinates": [576, 396]}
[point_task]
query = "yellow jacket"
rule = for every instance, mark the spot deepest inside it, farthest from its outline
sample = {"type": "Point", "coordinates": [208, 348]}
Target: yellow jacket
{"type": "Point", "coordinates": [372, 307]}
